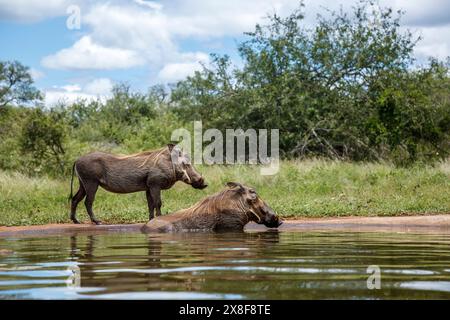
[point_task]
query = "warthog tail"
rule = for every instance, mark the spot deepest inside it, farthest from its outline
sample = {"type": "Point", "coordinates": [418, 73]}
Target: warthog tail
{"type": "Point", "coordinates": [71, 183]}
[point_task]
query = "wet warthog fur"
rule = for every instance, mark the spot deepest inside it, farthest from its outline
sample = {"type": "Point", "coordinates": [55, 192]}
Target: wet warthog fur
{"type": "Point", "coordinates": [149, 171]}
{"type": "Point", "coordinates": [230, 209]}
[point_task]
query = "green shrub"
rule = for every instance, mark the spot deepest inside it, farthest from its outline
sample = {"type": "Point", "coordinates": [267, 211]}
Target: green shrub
{"type": "Point", "coordinates": [42, 140]}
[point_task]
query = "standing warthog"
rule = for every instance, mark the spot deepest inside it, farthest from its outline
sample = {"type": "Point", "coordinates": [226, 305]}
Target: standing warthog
{"type": "Point", "coordinates": [149, 171]}
{"type": "Point", "coordinates": [230, 209]}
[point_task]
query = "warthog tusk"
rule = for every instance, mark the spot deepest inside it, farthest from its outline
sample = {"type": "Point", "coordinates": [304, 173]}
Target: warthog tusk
{"type": "Point", "coordinates": [189, 178]}
{"type": "Point", "coordinates": [259, 219]}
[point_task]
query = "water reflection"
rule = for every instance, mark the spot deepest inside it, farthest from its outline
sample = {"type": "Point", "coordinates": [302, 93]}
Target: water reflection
{"type": "Point", "coordinates": [230, 265]}
{"type": "Point", "coordinates": [161, 262]}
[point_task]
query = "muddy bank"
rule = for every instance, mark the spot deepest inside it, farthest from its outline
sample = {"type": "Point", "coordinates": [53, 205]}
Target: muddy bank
{"type": "Point", "coordinates": [434, 224]}
{"type": "Point", "coordinates": [426, 223]}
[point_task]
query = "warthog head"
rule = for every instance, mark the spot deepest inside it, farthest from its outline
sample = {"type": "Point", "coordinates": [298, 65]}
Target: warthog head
{"type": "Point", "coordinates": [255, 207]}
{"type": "Point", "coordinates": [184, 170]}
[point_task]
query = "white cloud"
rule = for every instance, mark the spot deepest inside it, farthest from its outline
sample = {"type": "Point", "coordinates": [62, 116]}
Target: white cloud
{"type": "Point", "coordinates": [142, 30]}
{"type": "Point", "coordinates": [125, 35]}
{"type": "Point", "coordinates": [69, 87]}
{"type": "Point", "coordinates": [220, 18]}
{"type": "Point", "coordinates": [85, 54]}
{"type": "Point", "coordinates": [172, 72]}
{"type": "Point", "coordinates": [31, 11]}
{"type": "Point", "coordinates": [119, 34]}
{"type": "Point", "coordinates": [101, 86]}
{"type": "Point", "coordinates": [150, 4]}
{"type": "Point", "coordinates": [432, 43]}
{"type": "Point", "coordinates": [429, 20]}
{"type": "Point", "coordinates": [423, 13]}
{"type": "Point", "coordinates": [97, 89]}
{"type": "Point", "coordinates": [53, 97]}
{"type": "Point", "coordinates": [36, 74]}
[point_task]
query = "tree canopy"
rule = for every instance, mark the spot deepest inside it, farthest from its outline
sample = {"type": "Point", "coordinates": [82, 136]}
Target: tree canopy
{"type": "Point", "coordinates": [16, 84]}
{"type": "Point", "coordinates": [346, 89]}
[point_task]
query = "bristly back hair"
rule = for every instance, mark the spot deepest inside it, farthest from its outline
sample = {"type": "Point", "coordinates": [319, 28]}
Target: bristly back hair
{"type": "Point", "coordinates": [212, 203]}
{"type": "Point", "coordinates": [153, 155]}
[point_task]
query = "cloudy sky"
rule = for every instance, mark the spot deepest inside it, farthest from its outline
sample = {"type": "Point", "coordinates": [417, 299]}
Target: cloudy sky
{"type": "Point", "coordinates": [147, 42]}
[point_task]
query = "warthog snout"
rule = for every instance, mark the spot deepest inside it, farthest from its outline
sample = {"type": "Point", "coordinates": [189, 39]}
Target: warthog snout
{"type": "Point", "coordinates": [271, 219]}
{"type": "Point", "coordinates": [194, 179]}
{"type": "Point", "coordinates": [199, 184]}
{"type": "Point", "coordinates": [274, 222]}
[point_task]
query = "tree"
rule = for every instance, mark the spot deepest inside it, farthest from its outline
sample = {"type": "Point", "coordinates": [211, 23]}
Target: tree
{"type": "Point", "coordinates": [42, 138]}
{"type": "Point", "coordinates": [344, 89]}
{"type": "Point", "coordinates": [16, 84]}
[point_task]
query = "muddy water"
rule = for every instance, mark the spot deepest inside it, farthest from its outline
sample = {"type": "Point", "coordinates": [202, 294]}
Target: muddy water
{"type": "Point", "coordinates": [262, 265]}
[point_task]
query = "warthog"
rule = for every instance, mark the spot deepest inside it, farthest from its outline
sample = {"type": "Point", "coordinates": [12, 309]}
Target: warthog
{"type": "Point", "coordinates": [230, 209]}
{"type": "Point", "coordinates": [149, 171]}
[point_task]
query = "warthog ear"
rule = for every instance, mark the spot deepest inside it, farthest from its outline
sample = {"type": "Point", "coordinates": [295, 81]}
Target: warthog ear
{"type": "Point", "coordinates": [170, 146]}
{"type": "Point", "coordinates": [235, 185]}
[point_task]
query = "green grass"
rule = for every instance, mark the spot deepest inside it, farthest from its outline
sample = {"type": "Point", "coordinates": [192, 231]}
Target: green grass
{"type": "Point", "coordinates": [311, 188]}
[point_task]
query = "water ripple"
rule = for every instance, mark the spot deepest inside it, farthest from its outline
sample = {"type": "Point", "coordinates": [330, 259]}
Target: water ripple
{"type": "Point", "coordinates": [267, 265]}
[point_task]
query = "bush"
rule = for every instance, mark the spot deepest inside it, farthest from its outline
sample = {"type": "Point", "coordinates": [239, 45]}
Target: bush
{"type": "Point", "coordinates": [42, 140]}
{"type": "Point", "coordinates": [346, 89]}
{"type": "Point", "coordinates": [47, 141]}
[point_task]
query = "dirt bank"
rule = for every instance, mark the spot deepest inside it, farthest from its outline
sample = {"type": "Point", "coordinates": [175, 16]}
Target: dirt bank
{"type": "Point", "coordinates": [434, 223]}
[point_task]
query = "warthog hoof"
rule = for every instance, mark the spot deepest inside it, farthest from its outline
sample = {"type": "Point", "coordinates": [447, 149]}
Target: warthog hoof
{"type": "Point", "coordinates": [75, 221]}
{"type": "Point", "coordinates": [97, 222]}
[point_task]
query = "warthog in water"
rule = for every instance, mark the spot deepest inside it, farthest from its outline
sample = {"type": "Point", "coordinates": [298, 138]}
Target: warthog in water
{"type": "Point", "coordinates": [230, 209]}
{"type": "Point", "coordinates": [149, 171]}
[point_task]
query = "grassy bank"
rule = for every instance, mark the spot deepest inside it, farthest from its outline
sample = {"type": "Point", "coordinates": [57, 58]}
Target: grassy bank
{"type": "Point", "coordinates": [312, 188]}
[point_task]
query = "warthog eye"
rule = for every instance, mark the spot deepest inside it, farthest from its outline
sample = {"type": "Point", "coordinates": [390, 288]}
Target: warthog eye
{"type": "Point", "coordinates": [253, 195]}
{"type": "Point", "coordinates": [184, 165]}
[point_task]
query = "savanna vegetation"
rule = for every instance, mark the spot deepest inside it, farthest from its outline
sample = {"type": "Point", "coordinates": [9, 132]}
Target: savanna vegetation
{"type": "Point", "coordinates": [347, 93]}
{"type": "Point", "coordinates": [306, 188]}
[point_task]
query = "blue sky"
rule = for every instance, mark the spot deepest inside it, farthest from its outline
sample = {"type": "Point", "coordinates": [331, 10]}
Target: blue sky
{"type": "Point", "coordinates": [148, 42]}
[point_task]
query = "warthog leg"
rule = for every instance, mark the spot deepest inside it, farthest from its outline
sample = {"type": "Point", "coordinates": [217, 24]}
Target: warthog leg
{"type": "Point", "coordinates": [91, 189]}
{"type": "Point", "coordinates": [151, 207]}
{"type": "Point", "coordinates": [75, 200]}
{"type": "Point", "coordinates": [154, 201]}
